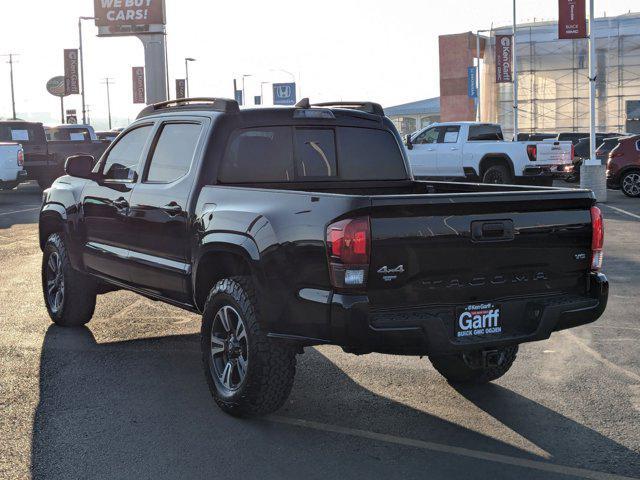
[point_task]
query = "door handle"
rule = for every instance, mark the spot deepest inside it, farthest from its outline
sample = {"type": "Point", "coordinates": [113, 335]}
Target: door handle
{"type": "Point", "coordinates": [454, 148]}
{"type": "Point", "coordinates": [172, 208]}
{"type": "Point", "coordinates": [430, 149]}
{"type": "Point", "coordinates": [121, 203]}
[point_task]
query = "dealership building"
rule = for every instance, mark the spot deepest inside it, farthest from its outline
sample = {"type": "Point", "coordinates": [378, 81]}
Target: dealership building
{"type": "Point", "coordinates": [553, 85]}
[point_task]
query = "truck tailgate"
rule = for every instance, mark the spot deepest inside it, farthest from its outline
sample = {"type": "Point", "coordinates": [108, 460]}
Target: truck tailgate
{"type": "Point", "coordinates": [431, 250]}
{"type": "Point", "coordinates": [554, 153]}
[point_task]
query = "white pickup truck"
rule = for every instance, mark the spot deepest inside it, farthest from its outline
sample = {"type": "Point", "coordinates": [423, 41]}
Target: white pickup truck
{"type": "Point", "coordinates": [478, 152]}
{"type": "Point", "coordinates": [11, 165]}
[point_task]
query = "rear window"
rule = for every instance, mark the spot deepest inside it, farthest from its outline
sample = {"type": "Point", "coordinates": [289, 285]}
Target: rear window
{"type": "Point", "coordinates": [20, 133]}
{"type": "Point", "coordinates": [485, 132]}
{"type": "Point", "coordinates": [68, 134]}
{"type": "Point", "coordinates": [284, 154]}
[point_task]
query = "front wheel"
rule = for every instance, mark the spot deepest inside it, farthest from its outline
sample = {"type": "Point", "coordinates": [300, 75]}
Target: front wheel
{"type": "Point", "coordinates": [69, 295]}
{"type": "Point", "coordinates": [248, 373]}
{"type": "Point", "coordinates": [468, 367]}
{"type": "Point", "coordinates": [630, 184]}
{"type": "Point", "coordinates": [8, 185]}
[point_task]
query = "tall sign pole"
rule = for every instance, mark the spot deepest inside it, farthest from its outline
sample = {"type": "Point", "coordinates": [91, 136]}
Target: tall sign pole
{"type": "Point", "coordinates": [515, 76]}
{"type": "Point", "coordinates": [592, 90]}
{"type": "Point", "coordinates": [81, 55]}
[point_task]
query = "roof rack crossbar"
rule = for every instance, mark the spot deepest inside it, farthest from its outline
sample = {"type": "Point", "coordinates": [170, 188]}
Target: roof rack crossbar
{"type": "Point", "coordinates": [226, 105]}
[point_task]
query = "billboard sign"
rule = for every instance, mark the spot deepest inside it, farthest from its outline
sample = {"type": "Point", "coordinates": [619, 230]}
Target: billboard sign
{"type": "Point", "coordinates": [181, 88]}
{"type": "Point", "coordinates": [129, 17]}
{"type": "Point", "coordinates": [71, 76]}
{"type": "Point", "coordinates": [137, 78]}
{"type": "Point", "coordinates": [284, 93]}
{"type": "Point", "coordinates": [504, 57]}
{"type": "Point", "coordinates": [572, 19]}
{"type": "Point", "coordinates": [472, 89]}
{"type": "Point", "coordinates": [56, 86]}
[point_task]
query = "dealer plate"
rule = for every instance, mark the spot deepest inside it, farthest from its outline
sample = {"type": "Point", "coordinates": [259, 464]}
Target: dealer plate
{"type": "Point", "coordinates": [478, 320]}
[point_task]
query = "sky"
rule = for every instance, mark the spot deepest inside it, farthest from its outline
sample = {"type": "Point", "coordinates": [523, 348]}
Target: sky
{"type": "Point", "coordinates": [336, 49]}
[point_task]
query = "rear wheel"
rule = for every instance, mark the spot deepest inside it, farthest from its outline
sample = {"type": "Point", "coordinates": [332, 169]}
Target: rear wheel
{"type": "Point", "coordinates": [69, 295]}
{"type": "Point", "coordinates": [630, 184]}
{"type": "Point", "coordinates": [468, 368]}
{"type": "Point", "coordinates": [497, 174]}
{"type": "Point", "coordinates": [248, 373]}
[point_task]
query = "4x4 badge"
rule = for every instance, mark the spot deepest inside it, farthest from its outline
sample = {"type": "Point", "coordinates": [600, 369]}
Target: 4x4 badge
{"type": "Point", "coordinates": [386, 270]}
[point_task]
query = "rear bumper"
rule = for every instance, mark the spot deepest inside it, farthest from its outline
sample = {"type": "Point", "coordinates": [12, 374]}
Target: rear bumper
{"type": "Point", "coordinates": [429, 331]}
{"type": "Point", "coordinates": [18, 176]}
{"type": "Point", "coordinates": [553, 171]}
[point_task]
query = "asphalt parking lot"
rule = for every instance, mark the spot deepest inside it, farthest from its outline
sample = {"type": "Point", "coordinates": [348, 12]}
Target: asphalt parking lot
{"type": "Point", "coordinates": [125, 397]}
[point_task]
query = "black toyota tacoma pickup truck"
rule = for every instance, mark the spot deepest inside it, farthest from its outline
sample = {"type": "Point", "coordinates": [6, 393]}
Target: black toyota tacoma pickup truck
{"type": "Point", "coordinates": [293, 227]}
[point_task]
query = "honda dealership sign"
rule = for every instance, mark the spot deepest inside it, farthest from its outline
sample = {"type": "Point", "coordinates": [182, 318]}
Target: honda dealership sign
{"type": "Point", "coordinates": [504, 57]}
{"type": "Point", "coordinates": [71, 77]}
{"type": "Point", "coordinates": [284, 93]}
{"type": "Point", "coordinates": [572, 19]}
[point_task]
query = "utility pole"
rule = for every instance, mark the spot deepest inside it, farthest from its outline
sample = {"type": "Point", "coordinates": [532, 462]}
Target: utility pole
{"type": "Point", "coordinates": [262, 84]}
{"type": "Point", "coordinates": [515, 77]}
{"type": "Point", "coordinates": [81, 51]}
{"type": "Point", "coordinates": [13, 98]}
{"type": "Point", "coordinates": [244, 97]}
{"type": "Point", "coordinates": [108, 81]}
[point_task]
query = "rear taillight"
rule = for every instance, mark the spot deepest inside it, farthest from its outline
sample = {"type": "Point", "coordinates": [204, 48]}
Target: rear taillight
{"type": "Point", "coordinates": [597, 238]}
{"type": "Point", "coordinates": [573, 152]}
{"type": "Point", "coordinates": [20, 158]}
{"type": "Point", "coordinates": [532, 152]}
{"type": "Point", "coordinates": [615, 153]}
{"type": "Point", "coordinates": [348, 249]}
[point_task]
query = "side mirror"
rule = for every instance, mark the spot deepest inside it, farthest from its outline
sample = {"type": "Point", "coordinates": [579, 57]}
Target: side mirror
{"type": "Point", "coordinates": [408, 142]}
{"type": "Point", "coordinates": [80, 166]}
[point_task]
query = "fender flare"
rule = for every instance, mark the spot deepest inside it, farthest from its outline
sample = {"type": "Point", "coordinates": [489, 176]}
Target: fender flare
{"type": "Point", "coordinates": [497, 156]}
{"type": "Point", "coordinates": [52, 213]}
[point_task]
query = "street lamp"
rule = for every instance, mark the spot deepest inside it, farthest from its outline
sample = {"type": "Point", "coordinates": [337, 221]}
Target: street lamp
{"type": "Point", "coordinates": [262, 84]}
{"type": "Point", "coordinates": [186, 70]}
{"type": "Point", "coordinates": [293, 77]}
{"type": "Point", "coordinates": [244, 97]}
{"type": "Point", "coordinates": [84, 106]}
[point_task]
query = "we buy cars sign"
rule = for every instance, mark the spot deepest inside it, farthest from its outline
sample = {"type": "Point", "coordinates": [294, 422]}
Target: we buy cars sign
{"type": "Point", "coordinates": [129, 12]}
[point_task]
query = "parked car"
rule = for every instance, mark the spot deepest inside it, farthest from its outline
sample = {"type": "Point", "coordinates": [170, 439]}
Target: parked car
{"type": "Point", "coordinates": [477, 151]}
{"type": "Point", "coordinates": [575, 137]}
{"type": "Point", "coordinates": [535, 136]}
{"type": "Point", "coordinates": [582, 151]}
{"type": "Point", "coordinates": [44, 159]}
{"type": "Point", "coordinates": [292, 227]}
{"type": "Point", "coordinates": [11, 163]}
{"type": "Point", "coordinates": [623, 166]}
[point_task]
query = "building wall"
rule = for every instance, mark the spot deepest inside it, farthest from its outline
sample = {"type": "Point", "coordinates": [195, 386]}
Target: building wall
{"type": "Point", "coordinates": [457, 52]}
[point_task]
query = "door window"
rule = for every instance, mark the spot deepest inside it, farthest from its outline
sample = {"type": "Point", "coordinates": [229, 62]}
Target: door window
{"type": "Point", "coordinates": [428, 136]}
{"type": "Point", "coordinates": [174, 152]}
{"type": "Point", "coordinates": [123, 159]}
{"type": "Point", "coordinates": [449, 134]}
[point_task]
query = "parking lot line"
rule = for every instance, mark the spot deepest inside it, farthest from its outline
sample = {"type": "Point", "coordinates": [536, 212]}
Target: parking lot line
{"type": "Point", "coordinates": [20, 211]}
{"type": "Point", "coordinates": [619, 210]}
{"type": "Point", "coordinates": [439, 447]}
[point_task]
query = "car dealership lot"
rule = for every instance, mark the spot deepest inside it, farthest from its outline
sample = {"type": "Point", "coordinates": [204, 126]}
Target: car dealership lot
{"type": "Point", "coordinates": [126, 398]}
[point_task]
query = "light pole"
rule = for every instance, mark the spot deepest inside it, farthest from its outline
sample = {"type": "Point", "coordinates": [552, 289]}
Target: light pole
{"type": "Point", "coordinates": [108, 81]}
{"type": "Point", "coordinates": [262, 84]}
{"type": "Point", "coordinates": [244, 96]}
{"type": "Point", "coordinates": [186, 71]}
{"type": "Point", "coordinates": [81, 50]}
{"type": "Point", "coordinates": [293, 77]}
{"type": "Point", "coordinates": [13, 99]}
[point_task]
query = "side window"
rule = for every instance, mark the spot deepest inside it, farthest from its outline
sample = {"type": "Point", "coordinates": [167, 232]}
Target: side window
{"type": "Point", "coordinates": [174, 152]}
{"type": "Point", "coordinates": [428, 136]}
{"type": "Point", "coordinates": [122, 161]}
{"type": "Point", "coordinates": [263, 154]}
{"type": "Point", "coordinates": [315, 152]}
{"type": "Point", "coordinates": [449, 134]}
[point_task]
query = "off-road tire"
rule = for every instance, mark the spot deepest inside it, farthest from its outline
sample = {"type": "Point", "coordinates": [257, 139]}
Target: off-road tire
{"type": "Point", "coordinates": [457, 371]}
{"type": "Point", "coordinates": [497, 174]}
{"type": "Point", "coordinates": [79, 299]}
{"type": "Point", "coordinates": [271, 363]}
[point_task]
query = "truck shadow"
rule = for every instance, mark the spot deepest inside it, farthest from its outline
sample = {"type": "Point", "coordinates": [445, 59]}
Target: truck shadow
{"type": "Point", "coordinates": [20, 205]}
{"type": "Point", "coordinates": [141, 409]}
